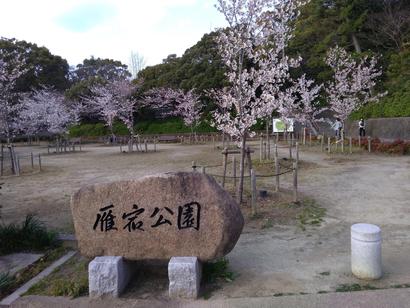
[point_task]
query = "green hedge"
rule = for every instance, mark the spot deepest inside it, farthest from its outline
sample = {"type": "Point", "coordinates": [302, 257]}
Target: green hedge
{"type": "Point", "coordinates": [167, 126]}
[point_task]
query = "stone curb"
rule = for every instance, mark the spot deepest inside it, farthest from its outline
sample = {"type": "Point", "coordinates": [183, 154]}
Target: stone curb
{"type": "Point", "coordinates": [24, 288]}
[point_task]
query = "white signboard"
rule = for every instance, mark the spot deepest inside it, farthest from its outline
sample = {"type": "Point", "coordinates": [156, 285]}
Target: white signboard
{"type": "Point", "coordinates": [280, 126]}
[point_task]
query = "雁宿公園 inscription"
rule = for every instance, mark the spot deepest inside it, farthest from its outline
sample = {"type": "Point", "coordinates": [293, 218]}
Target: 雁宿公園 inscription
{"type": "Point", "coordinates": [156, 218]}
{"type": "Point", "coordinates": [189, 216]}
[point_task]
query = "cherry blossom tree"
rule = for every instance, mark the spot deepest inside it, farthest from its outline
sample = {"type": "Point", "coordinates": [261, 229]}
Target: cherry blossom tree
{"type": "Point", "coordinates": [250, 49]}
{"type": "Point", "coordinates": [46, 110]}
{"type": "Point", "coordinates": [115, 100]}
{"type": "Point", "coordinates": [162, 100]}
{"type": "Point", "coordinates": [189, 108]}
{"type": "Point", "coordinates": [175, 102]}
{"type": "Point", "coordinates": [352, 84]}
{"type": "Point", "coordinates": [126, 103]}
{"type": "Point", "coordinates": [103, 103]}
{"type": "Point", "coordinates": [300, 102]}
{"type": "Point", "coordinates": [11, 68]}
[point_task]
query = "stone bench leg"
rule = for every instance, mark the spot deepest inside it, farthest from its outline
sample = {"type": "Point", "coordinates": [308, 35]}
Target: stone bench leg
{"type": "Point", "coordinates": [184, 275]}
{"type": "Point", "coordinates": [108, 276]}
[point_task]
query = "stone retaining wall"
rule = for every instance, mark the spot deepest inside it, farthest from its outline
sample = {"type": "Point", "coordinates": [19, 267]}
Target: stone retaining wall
{"type": "Point", "coordinates": [388, 129]}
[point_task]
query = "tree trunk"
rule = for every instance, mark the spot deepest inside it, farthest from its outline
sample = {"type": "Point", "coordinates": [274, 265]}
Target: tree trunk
{"type": "Point", "coordinates": [242, 169]}
{"type": "Point", "coordinates": [356, 43]}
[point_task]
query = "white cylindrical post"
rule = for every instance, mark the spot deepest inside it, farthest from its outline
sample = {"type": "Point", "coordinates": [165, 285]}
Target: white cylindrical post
{"type": "Point", "coordinates": [366, 257]}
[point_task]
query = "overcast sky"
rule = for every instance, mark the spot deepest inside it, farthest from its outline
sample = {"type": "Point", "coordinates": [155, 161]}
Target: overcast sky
{"type": "Point", "coordinates": [77, 29]}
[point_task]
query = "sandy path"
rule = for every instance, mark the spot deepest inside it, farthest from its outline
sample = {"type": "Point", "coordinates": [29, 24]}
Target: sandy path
{"type": "Point", "coordinates": [373, 189]}
{"type": "Point", "coordinates": [48, 193]}
{"type": "Point", "coordinates": [283, 259]}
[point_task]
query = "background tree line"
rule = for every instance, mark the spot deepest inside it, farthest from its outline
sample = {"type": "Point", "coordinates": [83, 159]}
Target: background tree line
{"type": "Point", "coordinates": [364, 27]}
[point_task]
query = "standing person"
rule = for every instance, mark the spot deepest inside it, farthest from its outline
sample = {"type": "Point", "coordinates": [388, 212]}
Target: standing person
{"type": "Point", "coordinates": [362, 128]}
{"type": "Point", "coordinates": [337, 126]}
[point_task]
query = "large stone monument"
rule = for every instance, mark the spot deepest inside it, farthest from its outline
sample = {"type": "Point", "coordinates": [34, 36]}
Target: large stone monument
{"type": "Point", "coordinates": [156, 218]}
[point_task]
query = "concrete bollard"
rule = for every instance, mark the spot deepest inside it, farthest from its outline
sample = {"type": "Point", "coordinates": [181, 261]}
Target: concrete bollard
{"type": "Point", "coordinates": [184, 275]}
{"type": "Point", "coordinates": [108, 276]}
{"type": "Point", "coordinates": [366, 258]}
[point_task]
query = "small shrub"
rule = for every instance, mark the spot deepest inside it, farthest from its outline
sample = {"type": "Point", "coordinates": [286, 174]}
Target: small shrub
{"type": "Point", "coordinates": [6, 282]}
{"type": "Point", "coordinates": [214, 271]}
{"type": "Point", "coordinates": [62, 287]}
{"type": "Point", "coordinates": [354, 287]}
{"type": "Point", "coordinates": [30, 235]}
{"type": "Point", "coordinates": [398, 146]}
{"type": "Point", "coordinates": [311, 214]}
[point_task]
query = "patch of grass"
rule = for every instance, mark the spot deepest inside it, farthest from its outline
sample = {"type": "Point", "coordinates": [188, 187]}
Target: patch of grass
{"type": "Point", "coordinates": [33, 270]}
{"type": "Point", "coordinates": [6, 282]}
{"type": "Point", "coordinates": [325, 273]}
{"type": "Point", "coordinates": [401, 286]}
{"type": "Point", "coordinates": [283, 294]}
{"type": "Point", "coordinates": [214, 274]}
{"type": "Point", "coordinates": [256, 216]}
{"type": "Point", "coordinates": [354, 287]}
{"type": "Point", "coordinates": [71, 280]}
{"type": "Point", "coordinates": [267, 223]}
{"type": "Point", "coordinates": [311, 214]}
{"type": "Point", "coordinates": [218, 270]}
{"type": "Point", "coordinates": [31, 235]}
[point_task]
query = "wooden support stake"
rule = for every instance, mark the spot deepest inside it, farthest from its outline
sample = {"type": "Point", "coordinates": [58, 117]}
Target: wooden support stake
{"type": "Point", "coordinates": [234, 170]}
{"type": "Point", "coordinates": [13, 167]}
{"type": "Point", "coordinates": [193, 166]}
{"type": "Point", "coordinates": [343, 140]}
{"type": "Point", "coordinates": [249, 159]}
{"type": "Point", "coordinates": [290, 150]}
{"type": "Point", "coordinates": [145, 145]}
{"type": "Point", "coordinates": [304, 136]}
{"type": "Point", "coordinates": [225, 165]}
{"type": "Point", "coordinates": [322, 138]}
{"type": "Point", "coordinates": [17, 160]}
{"type": "Point", "coordinates": [39, 161]}
{"type": "Point", "coordinates": [350, 144]}
{"type": "Point", "coordinates": [155, 144]}
{"type": "Point", "coordinates": [297, 152]}
{"type": "Point", "coordinates": [369, 142]}
{"type": "Point", "coordinates": [264, 151]}
{"type": "Point", "coordinates": [261, 150]}
{"type": "Point", "coordinates": [277, 168]}
{"type": "Point", "coordinates": [310, 139]}
{"type": "Point", "coordinates": [253, 190]}
{"type": "Point", "coordinates": [2, 160]}
{"type": "Point", "coordinates": [295, 182]}
{"type": "Point", "coordinates": [328, 145]}
{"type": "Point", "coordinates": [32, 160]}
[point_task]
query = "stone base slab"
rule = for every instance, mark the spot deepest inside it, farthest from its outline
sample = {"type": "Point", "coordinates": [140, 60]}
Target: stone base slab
{"type": "Point", "coordinates": [108, 276]}
{"type": "Point", "coordinates": [184, 275]}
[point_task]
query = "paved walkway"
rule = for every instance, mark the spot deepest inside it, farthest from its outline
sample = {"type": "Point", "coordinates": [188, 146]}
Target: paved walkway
{"type": "Point", "coordinates": [390, 298]}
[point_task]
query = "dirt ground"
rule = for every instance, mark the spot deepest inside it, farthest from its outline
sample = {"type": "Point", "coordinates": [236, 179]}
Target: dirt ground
{"type": "Point", "coordinates": [280, 258]}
